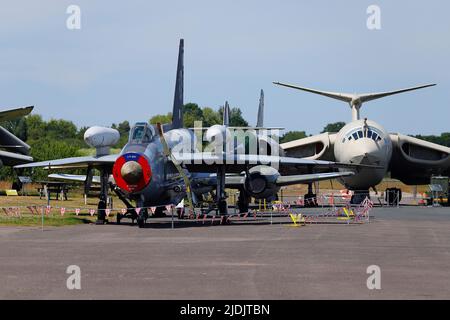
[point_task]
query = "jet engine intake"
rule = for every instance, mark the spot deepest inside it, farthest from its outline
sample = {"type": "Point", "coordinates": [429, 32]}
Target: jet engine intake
{"type": "Point", "coordinates": [260, 182]}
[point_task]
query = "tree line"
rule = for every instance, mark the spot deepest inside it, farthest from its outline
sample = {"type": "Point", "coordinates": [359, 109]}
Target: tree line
{"type": "Point", "coordinates": [59, 138]}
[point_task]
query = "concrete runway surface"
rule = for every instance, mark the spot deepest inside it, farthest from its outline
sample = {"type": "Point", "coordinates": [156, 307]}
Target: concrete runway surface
{"type": "Point", "coordinates": [411, 245]}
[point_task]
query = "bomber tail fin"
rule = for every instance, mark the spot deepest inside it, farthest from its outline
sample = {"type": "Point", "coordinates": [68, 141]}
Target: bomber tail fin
{"type": "Point", "coordinates": [355, 100]}
{"type": "Point", "coordinates": [177, 113]}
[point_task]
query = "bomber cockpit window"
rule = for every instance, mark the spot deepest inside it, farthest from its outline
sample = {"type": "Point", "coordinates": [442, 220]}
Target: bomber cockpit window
{"type": "Point", "coordinates": [368, 132]}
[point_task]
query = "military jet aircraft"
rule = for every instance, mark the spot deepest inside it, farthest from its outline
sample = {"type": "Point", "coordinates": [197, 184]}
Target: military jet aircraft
{"type": "Point", "coordinates": [15, 150]}
{"type": "Point", "coordinates": [363, 141]}
{"type": "Point", "coordinates": [161, 165]}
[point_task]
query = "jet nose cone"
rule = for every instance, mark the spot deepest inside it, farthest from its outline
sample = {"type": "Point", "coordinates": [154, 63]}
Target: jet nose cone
{"type": "Point", "coordinates": [131, 172]}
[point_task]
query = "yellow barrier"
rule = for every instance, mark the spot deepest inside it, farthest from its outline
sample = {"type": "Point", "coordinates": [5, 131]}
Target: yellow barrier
{"type": "Point", "coordinates": [297, 219]}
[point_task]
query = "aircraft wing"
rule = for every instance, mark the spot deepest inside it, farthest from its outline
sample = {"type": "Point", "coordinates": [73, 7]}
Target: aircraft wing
{"type": "Point", "coordinates": [12, 159]}
{"type": "Point", "coordinates": [15, 113]}
{"type": "Point", "coordinates": [237, 181]}
{"type": "Point", "coordinates": [74, 163]}
{"type": "Point", "coordinates": [318, 147]}
{"type": "Point", "coordinates": [204, 162]}
{"type": "Point", "coordinates": [73, 177]}
{"type": "Point", "coordinates": [414, 161]}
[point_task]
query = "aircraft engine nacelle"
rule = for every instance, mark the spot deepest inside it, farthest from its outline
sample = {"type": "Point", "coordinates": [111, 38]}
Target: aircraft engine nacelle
{"type": "Point", "coordinates": [98, 137]}
{"type": "Point", "coordinates": [217, 135]}
{"type": "Point", "coordinates": [261, 182]}
{"type": "Point", "coordinates": [101, 138]}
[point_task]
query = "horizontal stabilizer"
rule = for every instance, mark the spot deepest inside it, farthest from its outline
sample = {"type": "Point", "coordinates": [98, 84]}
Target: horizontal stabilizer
{"type": "Point", "coordinates": [15, 113]}
{"type": "Point", "coordinates": [354, 99]}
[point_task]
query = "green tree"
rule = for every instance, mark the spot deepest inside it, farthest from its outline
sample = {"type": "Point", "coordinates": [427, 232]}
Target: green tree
{"type": "Point", "coordinates": [48, 149]}
{"type": "Point", "coordinates": [211, 117]}
{"type": "Point", "coordinates": [161, 118]}
{"type": "Point", "coordinates": [36, 127]}
{"type": "Point", "coordinates": [292, 135]}
{"type": "Point", "coordinates": [443, 139]}
{"type": "Point", "coordinates": [333, 127]}
{"type": "Point", "coordinates": [236, 119]}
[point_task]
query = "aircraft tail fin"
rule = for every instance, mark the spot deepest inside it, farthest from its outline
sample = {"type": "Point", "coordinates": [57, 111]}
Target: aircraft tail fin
{"type": "Point", "coordinates": [226, 114]}
{"type": "Point", "coordinates": [260, 120]}
{"type": "Point", "coordinates": [177, 113]}
{"type": "Point", "coordinates": [355, 100]}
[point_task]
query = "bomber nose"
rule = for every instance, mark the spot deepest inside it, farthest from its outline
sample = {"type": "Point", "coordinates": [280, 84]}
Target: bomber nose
{"type": "Point", "coordinates": [368, 153]}
{"type": "Point", "coordinates": [131, 172]}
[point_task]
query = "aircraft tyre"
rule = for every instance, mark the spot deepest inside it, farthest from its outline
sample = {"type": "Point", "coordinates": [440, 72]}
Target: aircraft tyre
{"type": "Point", "coordinates": [101, 215]}
{"type": "Point", "coordinates": [159, 212]}
{"type": "Point", "coordinates": [142, 218]}
{"type": "Point", "coordinates": [359, 197]}
{"type": "Point", "coordinates": [223, 207]}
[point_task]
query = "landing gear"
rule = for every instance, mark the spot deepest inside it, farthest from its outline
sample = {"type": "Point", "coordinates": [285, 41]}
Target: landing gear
{"type": "Point", "coordinates": [223, 207]}
{"type": "Point", "coordinates": [159, 212]}
{"type": "Point", "coordinates": [142, 218]}
{"type": "Point", "coordinates": [221, 197]}
{"type": "Point", "coordinates": [101, 214]}
{"type": "Point", "coordinates": [310, 198]}
{"type": "Point", "coordinates": [243, 201]}
{"type": "Point", "coordinates": [393, 196]}
{"type": "Point", "coordinates": [359, 196]}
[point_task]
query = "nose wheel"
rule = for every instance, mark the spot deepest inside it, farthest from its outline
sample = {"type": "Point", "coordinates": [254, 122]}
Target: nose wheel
{"type": "Point", "coordinates": [142, 218]}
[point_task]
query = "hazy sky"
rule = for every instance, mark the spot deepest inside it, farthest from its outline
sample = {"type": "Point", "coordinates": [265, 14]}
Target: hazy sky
{"type": "Point", "coordinates": [121, 64]}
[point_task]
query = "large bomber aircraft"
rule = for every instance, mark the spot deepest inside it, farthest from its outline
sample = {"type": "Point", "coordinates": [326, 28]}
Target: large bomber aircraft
{"type": "Point", "coordinates": [15, 151]}
{"type": "Point", "coordinates": [151, 171]}
{"type": "Point", "coordinates": [363, 141]}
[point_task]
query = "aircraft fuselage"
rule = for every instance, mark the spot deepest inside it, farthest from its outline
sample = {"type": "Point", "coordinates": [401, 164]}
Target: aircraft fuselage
{"type": "Point", "coordinates": [363, 142]}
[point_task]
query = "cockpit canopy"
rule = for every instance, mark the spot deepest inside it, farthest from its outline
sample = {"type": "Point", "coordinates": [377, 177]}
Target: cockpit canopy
{"type": "Point", "coordinates": [141, 133]}
{"type": "Point", "coordinates": [364, 132]}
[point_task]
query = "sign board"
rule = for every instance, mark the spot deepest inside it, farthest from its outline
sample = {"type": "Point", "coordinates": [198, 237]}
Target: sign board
{"type": "Point", "coordinates": [11, 192]}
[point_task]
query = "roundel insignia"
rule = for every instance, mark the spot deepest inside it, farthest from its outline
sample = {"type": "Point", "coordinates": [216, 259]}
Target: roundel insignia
{"type": "Point", "coordinates": [146, 172]}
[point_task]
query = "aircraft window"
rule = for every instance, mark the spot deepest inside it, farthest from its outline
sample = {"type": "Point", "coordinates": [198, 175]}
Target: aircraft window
{"type": "Point", "coordinates": [355, 136]}
{"type": "Point", "coordinates": [369, 134]}
{"type": "Point", "coordinates": [147, 136]}
{"type": "Point", "coordinates": [142, 134]}
{"type": "Point", "coordinates": [374, 137]}
{"type": "Point", "coordinates": [349, 138]}
{"type": "Point", "coordinates": [379, 139]}
{"type": "Point", "coordinates": [343, 140]}
{"type": "Point", "coordinates": [360, 134]}
{"type": "Point", "coordinates": [138, 133]}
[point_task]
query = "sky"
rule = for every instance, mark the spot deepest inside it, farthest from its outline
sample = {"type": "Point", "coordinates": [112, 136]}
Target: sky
{"type": "Point", "coordinates": [120, 65]}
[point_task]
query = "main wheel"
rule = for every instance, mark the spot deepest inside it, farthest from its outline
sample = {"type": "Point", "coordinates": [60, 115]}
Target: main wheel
{"type": "Point", "coordinates": [223, 207]}
{"type": "Point", "coordinates": [159, 212]}
{"type": "Point", "coordinates": [141, 222]}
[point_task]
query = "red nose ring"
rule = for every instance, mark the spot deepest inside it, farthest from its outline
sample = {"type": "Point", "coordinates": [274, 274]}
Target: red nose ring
{"type": "Point", "coordinates": [132, 172]}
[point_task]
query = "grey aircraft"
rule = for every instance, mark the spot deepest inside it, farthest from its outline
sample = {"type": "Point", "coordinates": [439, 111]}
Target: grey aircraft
{"type": "Point", "coordinates": [161, 164]}
{"type": "Point", "coordinates": [13, 151]}
{"type": "Point", "coordinates": [363, 141]}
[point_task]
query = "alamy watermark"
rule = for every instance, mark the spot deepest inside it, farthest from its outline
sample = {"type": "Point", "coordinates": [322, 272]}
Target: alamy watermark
{"type": "Point", "coordinates": [220, 144]}
{"type": "Point", "coordinates": [73, 282]}
{"type": "Point", "coordinates": [73, 22]}
{"type": "Point", "coordinates": [374, 18]}
{"type": "Point", "coordinates": [374, 280]}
